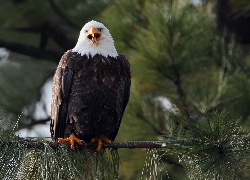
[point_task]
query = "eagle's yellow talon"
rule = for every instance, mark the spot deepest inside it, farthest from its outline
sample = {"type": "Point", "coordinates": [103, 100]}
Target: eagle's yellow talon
{"type": "Point", "coordinates": [100, 142]}
{"type": "Point", "coordinates": [107, 140]}
{"type": "Point", "coordinates": [72, 140]}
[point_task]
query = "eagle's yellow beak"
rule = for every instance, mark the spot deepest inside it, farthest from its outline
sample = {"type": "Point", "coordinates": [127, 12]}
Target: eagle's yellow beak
{"type": "Point", "coordinates": [94, 36]}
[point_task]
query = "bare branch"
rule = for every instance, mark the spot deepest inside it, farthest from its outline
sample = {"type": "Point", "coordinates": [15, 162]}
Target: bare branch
{"type": "Point", "coordinates": [36, 122]}
{"type": "Point", "coordinates": [32, 51]}
{"type": "Point", "coordinates": [49, 30]}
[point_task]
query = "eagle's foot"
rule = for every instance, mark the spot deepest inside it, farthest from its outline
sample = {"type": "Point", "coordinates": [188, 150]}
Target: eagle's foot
{"type": "Point", "coordinates": [72, 140]}
{"type": "Point", "coordinates": [99, 142]}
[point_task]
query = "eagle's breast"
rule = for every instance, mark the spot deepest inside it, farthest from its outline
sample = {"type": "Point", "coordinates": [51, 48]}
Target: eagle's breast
{"type": "Point", "coordinates": [97, 96]}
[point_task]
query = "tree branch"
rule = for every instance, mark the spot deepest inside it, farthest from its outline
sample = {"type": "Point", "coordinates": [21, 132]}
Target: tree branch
{"type": "Point", "coordinates": [177, 76]}
{"type": "Point", "coordinates": [56, 33]}
{"type": "Point", "coordinates": [32, 51]}
{"type": "Point", "coordinates": [29, 144]}
{"type": "Point", "coordinates": [36, 122]}
{"type": "Point", "coordinates": [180, 91]}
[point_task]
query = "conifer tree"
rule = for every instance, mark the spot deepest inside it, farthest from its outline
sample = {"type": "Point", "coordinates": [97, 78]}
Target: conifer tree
{"type": "Point", "coordinates": [177, 53]}
{"type": "Point", "coordinates": [190, 85]}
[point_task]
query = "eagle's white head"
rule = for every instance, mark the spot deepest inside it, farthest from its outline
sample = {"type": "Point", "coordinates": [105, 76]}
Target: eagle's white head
{"type": "Point", "coordinates": [94, 39]}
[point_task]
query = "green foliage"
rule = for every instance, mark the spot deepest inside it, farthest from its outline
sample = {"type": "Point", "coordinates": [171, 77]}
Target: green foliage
{"type": "Point", "coordinates": [214, 147]}
{"type": "Point", "coordinates": [176, 52]}
{"type": "Point", "coordinates": [123, 18]}
{"type": "Point", "coordinates": [37, 159]}
{"type": "Point", "coordinates": [67, 164]}
{"type": "Point", "coordinates": [164, 36]}
{"type": "Point", "coordinates": [152, 168]}
{"type": "Point", "coordinates": [18, 160]}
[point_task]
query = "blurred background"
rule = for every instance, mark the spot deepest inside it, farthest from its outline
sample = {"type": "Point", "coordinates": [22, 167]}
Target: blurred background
{"type": "Point", "coordinates": [184, 54]}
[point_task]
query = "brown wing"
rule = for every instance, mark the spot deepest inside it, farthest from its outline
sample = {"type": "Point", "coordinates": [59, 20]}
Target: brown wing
{"type": "Point", "coordinates": [62, 82]}
{"type": "Point", "coordinates": [123, 97]}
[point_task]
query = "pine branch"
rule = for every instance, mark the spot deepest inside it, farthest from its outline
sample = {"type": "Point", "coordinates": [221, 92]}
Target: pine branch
{"type": "Point", "coordinates": [29, 144]}
{"type": "Point", "coordinates": [180, 91]}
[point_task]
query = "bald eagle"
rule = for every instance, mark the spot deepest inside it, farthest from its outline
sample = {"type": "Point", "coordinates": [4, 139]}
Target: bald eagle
{"type": "Point", "coordinates": [91, 88]}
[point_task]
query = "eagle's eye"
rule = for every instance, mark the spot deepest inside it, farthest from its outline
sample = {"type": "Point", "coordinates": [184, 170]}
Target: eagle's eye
{"type": "Point", "coordinates": [99, 29]}
{"type": "Point", "coordinates": [85, 31]}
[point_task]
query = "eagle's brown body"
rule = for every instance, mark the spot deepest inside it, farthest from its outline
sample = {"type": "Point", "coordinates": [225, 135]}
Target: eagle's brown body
{"type": "Point", "coordinates": [89, 96]}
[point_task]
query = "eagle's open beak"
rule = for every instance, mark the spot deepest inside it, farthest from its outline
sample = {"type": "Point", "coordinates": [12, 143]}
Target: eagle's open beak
{"type": "Point", "coordinates": [94, 36]}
